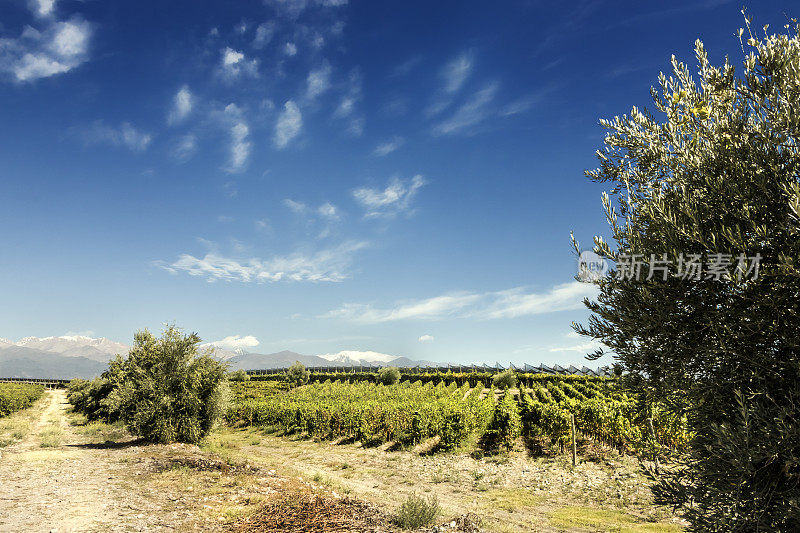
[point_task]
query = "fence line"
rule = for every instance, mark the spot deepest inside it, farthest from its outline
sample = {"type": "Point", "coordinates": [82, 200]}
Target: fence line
{"type": "Point", "coordinates": [47, 382]}
{"type": "Point", "coordinates": [461, 369]}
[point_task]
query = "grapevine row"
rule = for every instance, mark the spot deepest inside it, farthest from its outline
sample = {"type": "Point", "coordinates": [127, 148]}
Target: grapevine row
{"type": "Point", "coordinates": [17, 396]}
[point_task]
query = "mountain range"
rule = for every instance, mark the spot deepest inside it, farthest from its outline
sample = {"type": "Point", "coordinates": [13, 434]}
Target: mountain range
{"type": "Point", "coordinates": [71, 356]}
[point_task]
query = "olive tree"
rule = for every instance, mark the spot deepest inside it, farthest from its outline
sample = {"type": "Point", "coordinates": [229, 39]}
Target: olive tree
{"type": "Point", "coordinates": [712, 173]}
{"type": "Point", "coordinates": [171, 392]}
{"type": "Point", "coordinates": [389, 375]}
{"type": "Point", "coordinates": [297, 374]}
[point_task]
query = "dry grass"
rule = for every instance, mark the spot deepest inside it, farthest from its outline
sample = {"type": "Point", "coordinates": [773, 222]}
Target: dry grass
{"type": "Point", "coordinates": [513, 492]}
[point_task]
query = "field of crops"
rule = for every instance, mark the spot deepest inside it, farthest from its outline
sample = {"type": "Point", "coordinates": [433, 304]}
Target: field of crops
{"type": "Point", "coordinates": [405, 413]}
{"type": "Point", "coordinates": [412, 411]}
{"type": "Point", "coordinates": [17, 396]}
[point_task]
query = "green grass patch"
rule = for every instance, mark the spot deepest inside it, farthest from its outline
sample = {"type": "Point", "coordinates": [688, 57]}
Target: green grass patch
{"type": "Point", "coordinates": [605, 520]}
{"type": "Point", "coordinates": [511, 499]}
{"type": "Point", "coordinates": [51, 437]}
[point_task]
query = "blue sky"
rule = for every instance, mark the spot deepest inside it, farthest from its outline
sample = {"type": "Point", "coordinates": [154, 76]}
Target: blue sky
{"type": "Point", "coordinates": [320, 175]}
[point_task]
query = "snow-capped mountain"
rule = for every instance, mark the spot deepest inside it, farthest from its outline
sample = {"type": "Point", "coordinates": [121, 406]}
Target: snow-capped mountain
{"type": "Point", "coordinates": [357, 358]}
{"type": "Point", "coordinates": [224, 353]}
{"type": "Point", "coordinates": [101, 349]}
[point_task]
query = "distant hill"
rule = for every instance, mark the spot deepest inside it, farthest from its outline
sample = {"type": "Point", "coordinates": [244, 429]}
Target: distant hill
{"type": "Point", "coordinates": [65, 357]}
{"type": "Point", "coordinates": [251, 361]}
{"type": "Point", "coordinates": [72, 356]}
{"type": "Point", "coordinates": [254, 361]}
{"type": "Point", "coordinates": [22, 362]}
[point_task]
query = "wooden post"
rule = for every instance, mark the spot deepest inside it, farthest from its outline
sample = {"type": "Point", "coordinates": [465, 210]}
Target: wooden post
{"type": "Point", "coordinates": [655, 446]}
{"type": "Point", "coordinates": [574, 446]}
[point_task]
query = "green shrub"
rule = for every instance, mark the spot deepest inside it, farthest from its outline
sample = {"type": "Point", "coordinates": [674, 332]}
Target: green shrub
{"type": "Point", "coordinates": [239, 375]}
{"type": "Point", "coordinates": [165, 391]}
{"type": "Point", "coordinates": [389, 375]}
{"type": "Point", "coordinates": [505, 380]}
{"type": "Point", "coordinates": [297, 374]}
{"type": "Point", "coordinates": [417, 512]}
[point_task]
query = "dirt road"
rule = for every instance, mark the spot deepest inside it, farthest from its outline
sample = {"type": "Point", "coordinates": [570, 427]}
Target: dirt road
{"type": "Point", "coordinates": [56, 480]}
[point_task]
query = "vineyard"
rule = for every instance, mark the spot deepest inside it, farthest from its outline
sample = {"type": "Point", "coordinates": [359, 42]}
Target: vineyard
{"type": "Point", "coordinates": [455, 407]}
{"type": "Point", "coordinates": [17, 396]}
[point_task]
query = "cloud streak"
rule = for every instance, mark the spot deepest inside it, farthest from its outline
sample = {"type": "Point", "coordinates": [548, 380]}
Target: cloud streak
{"type": "Point", "coordinates": [472, 113]}
{"type": "Point", "coordinates": [388, 147]}
{"type": "Point", "coordinates": [509, 304]}
{"type": "Point", "coordinates": [328, 265]}
{"type": "Point", "coordinates": [456, 73]}
{"type": "Point", "coordinates": [394, 199]}
{"type": "Point", "coordinates": [125, 135]}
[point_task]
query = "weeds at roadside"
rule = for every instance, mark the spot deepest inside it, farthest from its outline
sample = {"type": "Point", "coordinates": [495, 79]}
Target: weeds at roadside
{"type": "Point", "coordinates": [417, 512]}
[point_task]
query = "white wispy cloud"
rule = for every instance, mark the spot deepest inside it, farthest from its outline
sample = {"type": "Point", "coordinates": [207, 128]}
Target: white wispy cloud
{"type": "Point", "coordinates": [298, 208]}
{"type": "Point", "coordinates": [318, 81]}
{"type": "Point", "coordinates": [240, 146]}
{"type": "Point", "coordinates": [185, 147]}
{"type": "Point", "coordinates": [394, 199]}
{"type": "Point", "coordinates": [518, 302]}
{"type": "Point", "coordinates": [426, 338]}
{"type": "Point", "coordinates": [329, 211]}
{"type": "Point", "coordinates": [42, 8]}
{"type": "Point", "coordinates": [405, 67]}
{"type": "Point", "coordinates": [234, 64]}
{"type": "Point", "coordinates": [232, 342]}
{"type": "Point", "coordinates": [288, 126]}
{"type": "Point", "coordinates": [56, 49]}
{"type": "Point", "coordinates": [472, 113]}
{"type": "Point", "coordinates": [456, 73]}
{"type": "Point", "coordinates": [290, 49]}
{"type": "Point", "coordinates": [512, 303]}
{"type": "Point", "coordinates": [453, 75]}
{"type": "Point", "coordinates": [586, 346]}
{"type": "Point", "coordinates": [436, 308]}
{"type": "Point", "coordinates": [388, 147]}
{"type": "Point", "coordinates": [264, 34]}
{"type": "Point", "coordinates": [292, 9]}
{"type": "Point", "coordinates": [181, 105]}
{"type": "Point", "coordinates": [525, 103]}
{"type": "Point", "coordinates": [124, 135]}
{"type": "Point", "coordinates": [327, 265]}
{"type": "Point", "coordinates": [347, 108]}
{"type": "Point", "coordinates": [288, 8]}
